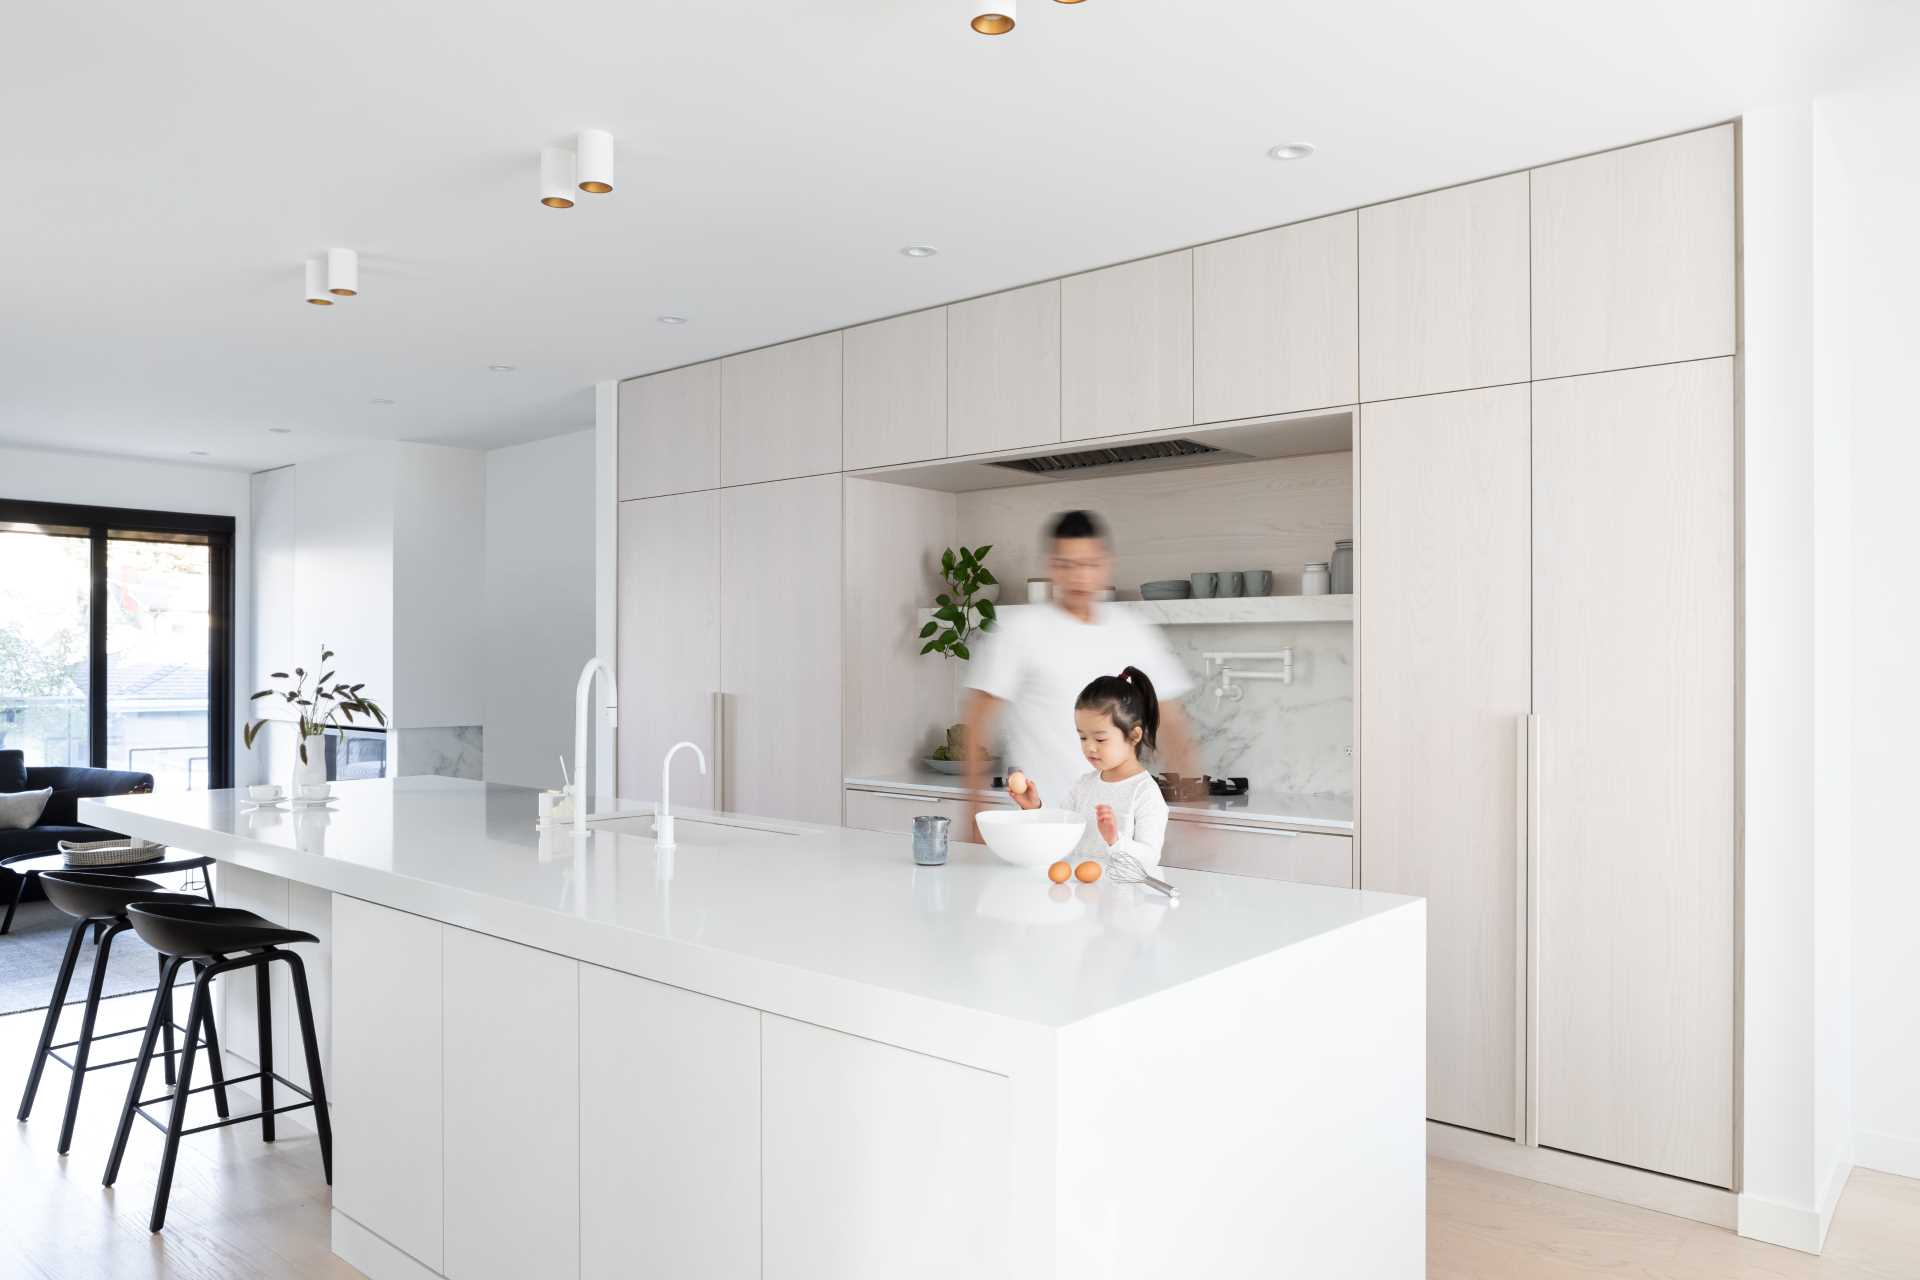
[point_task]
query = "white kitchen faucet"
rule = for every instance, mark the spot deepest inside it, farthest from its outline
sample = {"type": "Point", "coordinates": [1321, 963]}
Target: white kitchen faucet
{"type": "Point", "coordinates": [578, 787]}
{"type": "Point", "coordinates": [663, 816]}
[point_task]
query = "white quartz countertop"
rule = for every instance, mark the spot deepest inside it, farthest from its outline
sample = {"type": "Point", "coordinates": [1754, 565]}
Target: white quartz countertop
{"type": "Point", "coordinates": [1286, 810]}
{"type": "Point", "coordinates": [738, 906]}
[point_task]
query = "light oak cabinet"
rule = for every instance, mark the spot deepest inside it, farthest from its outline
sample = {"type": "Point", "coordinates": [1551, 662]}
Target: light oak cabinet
{"type": "Point", "coordinates": [780, 411]}
{"type": "Point", "coordinates": [835, 1108]}
{"type": "Point", "coordinates": [1443, 290]}
{"type": "Point", "coordinates": [1126, 348]}
{"type": "Point", "coordinates": [1446, 671]}
{"type": "Point", "coordinates": [1003, 371]}
{"type": "Point", "coordinates": [1633, 256]}
{"type": "Point", "coordinates": [670, 431]}
{"type": "Point", "coordinates": [780, 653]}
{"type": "Point", "coordinates": [1304, 857]}
{"type": "Point", "coordinates": [668, 646]}
{"type": "Point", "coordinates": [669, 1132]}
{"type": "Point", "coordinates": [387, 1081]}
{"type": "Point", "coordinates": [1634, 687]}
{"type": "Point", "coordinates": [896, 390]}
{"type": "Point", "coordinates": [1276, 319]}
{"type": "Point", "coordinates": [511, 1110]}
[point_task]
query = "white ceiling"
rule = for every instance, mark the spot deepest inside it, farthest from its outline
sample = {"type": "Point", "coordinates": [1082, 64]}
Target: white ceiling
{"type": "Point", "coordinates": [169, 166]}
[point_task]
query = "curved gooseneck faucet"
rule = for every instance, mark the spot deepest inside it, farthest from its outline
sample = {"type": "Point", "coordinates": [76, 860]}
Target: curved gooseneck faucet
{"type": "Point", "coordinates": [663, 816]}
{"type": "Point", "coordinates": [579, 784]}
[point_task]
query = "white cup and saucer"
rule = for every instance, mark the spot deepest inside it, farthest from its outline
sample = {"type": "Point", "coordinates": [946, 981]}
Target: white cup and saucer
{"type": "Point", "coordinates": [264, 795]}
{"type": "Point", "coordinates": [313, 795]}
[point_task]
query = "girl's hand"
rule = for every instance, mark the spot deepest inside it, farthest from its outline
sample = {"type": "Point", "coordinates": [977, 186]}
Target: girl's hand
{"type": "Point", "coordinates": [1021, 790]}
{"type": "Point", "coordinates": [1109, 829]}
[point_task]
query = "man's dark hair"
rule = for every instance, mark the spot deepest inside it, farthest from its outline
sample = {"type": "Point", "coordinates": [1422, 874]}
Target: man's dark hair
{"type": "Point", "coordinates": [1079, 524]}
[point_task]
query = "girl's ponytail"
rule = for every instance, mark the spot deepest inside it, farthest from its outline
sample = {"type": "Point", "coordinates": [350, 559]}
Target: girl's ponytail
{"type": "Point", "coordinates": [1129, 700]}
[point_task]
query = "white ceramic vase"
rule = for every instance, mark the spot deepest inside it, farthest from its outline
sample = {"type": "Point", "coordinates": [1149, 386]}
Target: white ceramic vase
{"type": "Point", "coordinates": [314, 768]}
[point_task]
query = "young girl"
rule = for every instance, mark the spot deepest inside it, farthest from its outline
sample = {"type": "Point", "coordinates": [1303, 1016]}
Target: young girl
{"type": "Point", "coordinates": [1118, 717]}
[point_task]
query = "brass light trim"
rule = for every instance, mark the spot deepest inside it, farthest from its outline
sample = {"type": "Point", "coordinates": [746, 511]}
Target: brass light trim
{"type": "Point", "coordinates": [597, 188]}
{"type": "Point", "coordinates": [343, 293]}
{"type": "Point", "coordinates": [320, 302]}
{"type": "Point", "coordinates": [556, 202]}
{"type": "Point", "coordinates": [993, 24]}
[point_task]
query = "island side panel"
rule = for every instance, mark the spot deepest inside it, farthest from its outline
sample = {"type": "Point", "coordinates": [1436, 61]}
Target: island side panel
{"type": "Point", "coordinates": [1268, 1120]}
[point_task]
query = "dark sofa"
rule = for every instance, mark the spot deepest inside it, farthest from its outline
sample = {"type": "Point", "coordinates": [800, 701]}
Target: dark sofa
{"type": "Point", "coordinates": [61, 820]}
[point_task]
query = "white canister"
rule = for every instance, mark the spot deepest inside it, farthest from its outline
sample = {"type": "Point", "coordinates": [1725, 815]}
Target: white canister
{"type": "Point", "coordinates": [1039, 590]}
{"type": "Point", "coordinates": [1316, 579]}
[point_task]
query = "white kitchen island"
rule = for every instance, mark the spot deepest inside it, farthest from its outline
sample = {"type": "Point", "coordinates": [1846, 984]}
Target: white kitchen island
{"type": "Point", "coordinates": [784, 1051]}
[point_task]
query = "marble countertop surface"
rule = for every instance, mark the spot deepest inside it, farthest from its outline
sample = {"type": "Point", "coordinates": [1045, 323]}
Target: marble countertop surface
{"type": "Point", "coordinates": [828, 922]}
{"type": "Point", "coordinates": [1258, 808]}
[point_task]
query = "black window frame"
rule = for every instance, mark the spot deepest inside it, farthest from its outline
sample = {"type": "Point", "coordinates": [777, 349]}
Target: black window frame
{"type": "Point", "coordinates": [219, 532]}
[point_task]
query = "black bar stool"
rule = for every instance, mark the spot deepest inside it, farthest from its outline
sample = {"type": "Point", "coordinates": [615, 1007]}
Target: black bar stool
{"type": "Point", "coordinates": [100, 902]}
{"type": "Point", "coordinates": [210, 937]}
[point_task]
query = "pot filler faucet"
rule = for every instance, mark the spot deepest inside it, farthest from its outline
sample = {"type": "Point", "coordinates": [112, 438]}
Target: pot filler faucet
{"type": "Point", "coordinates": [663, 816]}
{"type": "Point", "coordinates": [578, 787]}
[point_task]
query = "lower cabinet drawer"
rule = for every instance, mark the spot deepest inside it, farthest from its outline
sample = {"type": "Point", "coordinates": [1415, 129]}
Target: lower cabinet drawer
{"type": "Point", "coordinates": [1304, 856]}
{"type": "Point", "coordinates": [894, 813]}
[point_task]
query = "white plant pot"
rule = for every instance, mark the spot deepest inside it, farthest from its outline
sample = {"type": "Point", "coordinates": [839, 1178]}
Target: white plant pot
{"type": "Point", "coordinates": [314, 770]}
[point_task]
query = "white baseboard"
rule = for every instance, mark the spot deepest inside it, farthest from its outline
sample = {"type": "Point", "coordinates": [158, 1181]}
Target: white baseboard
{"type": "Point", "coordinates": [1795, 1226]}
{"type": "Point", "coordinates": [1655, 1191]}
{"type": "Point", "coordinates": [1830, 1199]}
{"type": "Point", "coordinates": [1889, 1153]}
{"type": "Point", "coordinates": [373, 1256]}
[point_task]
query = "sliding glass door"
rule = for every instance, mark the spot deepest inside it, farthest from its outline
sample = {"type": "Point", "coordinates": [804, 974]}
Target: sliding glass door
{"type": "Point", "coordinates": [116, 640]}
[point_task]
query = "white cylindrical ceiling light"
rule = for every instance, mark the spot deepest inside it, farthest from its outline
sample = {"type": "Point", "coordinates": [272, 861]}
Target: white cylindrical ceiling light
{"type": "Point", "coordinates": [343, 273]}
{"type": "Point", "coordinates": [593, 161]}
{"type": "Point", "coordinates": [317, 283]}
{"type": "Point", "coordinates": [991, 17]}
{"type": "Point", "coordinates": [556, 177]}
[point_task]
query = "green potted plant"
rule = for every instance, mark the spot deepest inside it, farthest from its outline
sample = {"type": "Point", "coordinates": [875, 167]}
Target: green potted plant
{"type": "Point", "coordinates": [323, 707]}
{"type": "Point", "coordinates": [965, 608]}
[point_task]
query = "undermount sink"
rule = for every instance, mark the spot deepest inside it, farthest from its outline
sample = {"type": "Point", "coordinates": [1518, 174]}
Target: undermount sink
{"type": "Point", "coordinates": [692, 831]}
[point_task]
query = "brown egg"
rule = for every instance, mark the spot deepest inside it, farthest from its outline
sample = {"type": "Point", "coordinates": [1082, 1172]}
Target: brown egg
{"type": "Point", "coordinates": [1059, 872]}
{"type": "Point", "coordinates": [1087, 872]}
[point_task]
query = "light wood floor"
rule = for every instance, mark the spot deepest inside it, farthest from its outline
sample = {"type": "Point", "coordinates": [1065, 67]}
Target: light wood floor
{"type": "Point", "coordinates": [242, 1209]}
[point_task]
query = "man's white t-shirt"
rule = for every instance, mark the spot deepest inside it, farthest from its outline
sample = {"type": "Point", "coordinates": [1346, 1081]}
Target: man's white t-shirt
{"type": "Point", "coordinates": [1037, 660]}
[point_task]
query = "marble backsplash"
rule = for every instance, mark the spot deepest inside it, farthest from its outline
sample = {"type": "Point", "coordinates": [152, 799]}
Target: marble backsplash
{"type": "Point", "coordinates": [452, 751]}
{"type": "Point", "coordinates": [1295, 738]}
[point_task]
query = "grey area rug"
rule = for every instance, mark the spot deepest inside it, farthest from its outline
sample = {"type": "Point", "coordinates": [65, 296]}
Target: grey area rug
{"type": "Point", "coordinates": [30, 960]}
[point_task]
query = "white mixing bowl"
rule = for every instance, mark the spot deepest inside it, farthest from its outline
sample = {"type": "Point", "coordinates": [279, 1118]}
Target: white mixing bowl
{"type": "Point", "coordinates": [1031, 837]}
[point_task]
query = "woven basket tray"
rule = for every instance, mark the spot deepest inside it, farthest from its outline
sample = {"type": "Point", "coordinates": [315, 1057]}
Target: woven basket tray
{"type": "Point", "coordinates": [110, 853]}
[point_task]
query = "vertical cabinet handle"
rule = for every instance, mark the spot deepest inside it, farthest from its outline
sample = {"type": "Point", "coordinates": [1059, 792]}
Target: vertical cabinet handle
{"type": "Point", "coordinates": [719, 752]}
{"type": "Point", "coordinates": [1530, 930]}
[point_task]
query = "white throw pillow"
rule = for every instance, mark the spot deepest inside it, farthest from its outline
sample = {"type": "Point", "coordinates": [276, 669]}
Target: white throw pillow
{"type": "Point", "coordinates": [21, 809]}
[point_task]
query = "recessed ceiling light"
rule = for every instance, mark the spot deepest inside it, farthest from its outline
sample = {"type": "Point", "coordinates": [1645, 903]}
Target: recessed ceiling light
{"type": "Point", "coordinates": [379, 400]}
{"type": "Point", "coordinates": [280, 431]}
{"type": "Point", "coordinates": [993, 17]}
{"type": "Point", "coordinates": [500, 368]}
{"type": "Point", "coordinates": [1291, 151]}
{"type": "Point", "coordinates": [199, 453]}
{"type": "Point", "coordinates": [671, 319]}
{"type": "Point", "coordinates": [919, 251]}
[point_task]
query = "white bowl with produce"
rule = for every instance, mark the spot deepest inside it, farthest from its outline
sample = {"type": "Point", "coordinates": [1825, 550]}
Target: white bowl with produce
{"type": "Point", "coordinates": [1035, 838]}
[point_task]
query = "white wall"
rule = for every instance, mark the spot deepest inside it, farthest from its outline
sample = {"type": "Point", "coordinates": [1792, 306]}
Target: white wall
{"type": "Point", "coordinates": [343, 569]}
{"type": "Point", "coordinates": [34, 475]}
{"type": "Point", "coordinates": [538, 623]}
{"type": "Point", "coordinates": [1869, 132]}
{"type": "Point", "coordinates": [439, 536]}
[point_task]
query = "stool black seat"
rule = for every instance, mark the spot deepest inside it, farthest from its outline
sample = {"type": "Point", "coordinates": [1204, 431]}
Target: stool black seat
{"type": "Point", "coordinates": [99, 902]}
{"type": "Point", "coordinates": [219, 940]}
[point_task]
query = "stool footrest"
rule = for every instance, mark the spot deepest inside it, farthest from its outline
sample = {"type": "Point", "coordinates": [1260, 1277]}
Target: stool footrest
{"type": "Point", "coordinates": [161, 1125]}
{"type": "Point", "coordinates": [229, 1082]}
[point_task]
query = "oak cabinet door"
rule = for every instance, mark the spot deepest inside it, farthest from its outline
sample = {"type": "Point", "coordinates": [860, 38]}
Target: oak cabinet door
{"type": "Point", "coordinates": [896, 390]}
{"type": "Point", "coordinates": [1275, 320]}
{"type": "Point", "coordinates": [1003, 371]}
{"type": "Point", "coordinates": [1445, 687]}
{"type": "Point", "coordinates": [1634, 687]}
{"type": "Point", "coordinates": [1633, 256]}
{"type": "Point", "coordinates": [1126, 348]}
{"type": "Point", "coordinates": [670, 431]}
{"type": "Point", "coordinates": [780, 411]}
{"type": "Point", "coordinates": [669, 641]}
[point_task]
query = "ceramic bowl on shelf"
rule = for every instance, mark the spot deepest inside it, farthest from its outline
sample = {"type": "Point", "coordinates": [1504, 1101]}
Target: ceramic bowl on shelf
{"type": "Point", "coordinates": [958, 767]}
{"type": "Point", "coordinates": [1167, 589]}
{"type": "Point", "coordinates": [1035, 838]}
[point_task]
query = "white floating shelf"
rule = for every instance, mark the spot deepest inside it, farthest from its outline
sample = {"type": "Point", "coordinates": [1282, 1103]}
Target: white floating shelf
{"type": "Point", "coordinates": [1260, 609]}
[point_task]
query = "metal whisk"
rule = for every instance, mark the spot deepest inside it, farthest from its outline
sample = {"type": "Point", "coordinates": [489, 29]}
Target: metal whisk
{"type": "Point", "coordinates": [1127, 869]}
